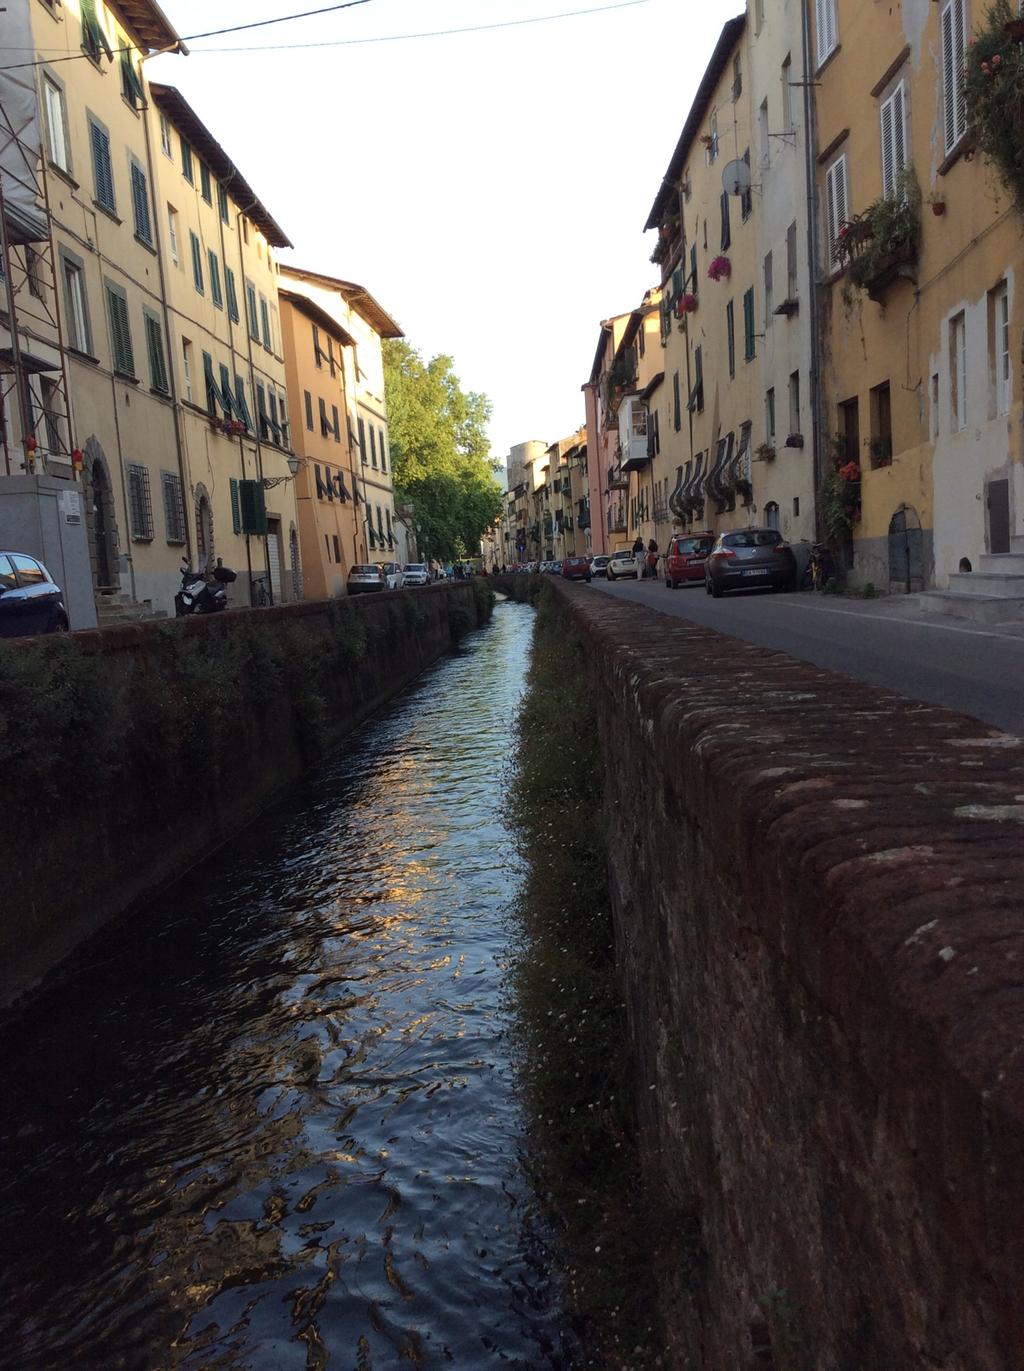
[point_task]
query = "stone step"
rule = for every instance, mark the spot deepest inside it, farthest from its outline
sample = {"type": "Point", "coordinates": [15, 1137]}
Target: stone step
{"type": "Point", "coordinates": [980, 609]}
{"type": "Point", "coordinates": [1010, 562]}
{"type": "Point", "coordinates": [1005, 583]}
{"type": "Point", "coordinates": [1016, 543]}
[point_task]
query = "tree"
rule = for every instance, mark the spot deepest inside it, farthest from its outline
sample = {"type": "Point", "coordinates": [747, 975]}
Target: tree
{"type": "Point", "coordinates": [440, 453]}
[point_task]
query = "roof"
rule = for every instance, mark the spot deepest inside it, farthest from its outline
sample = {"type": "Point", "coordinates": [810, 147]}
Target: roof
{"type": "Point", "coordinates": [357, 296]}
{"type": "Point", "coordinates": [319, 316]}
{"type": "Point", "coordinates": [719, 61]}
{"type": "Point", "coordinates": [148, 23]}
{"type": "Point", "coordinates": [184, 118]}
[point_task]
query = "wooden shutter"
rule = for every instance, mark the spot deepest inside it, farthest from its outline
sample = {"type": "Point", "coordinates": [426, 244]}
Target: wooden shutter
{"type": "Point", "coordinates": [893, 133]}
{"type": "Point", "coordinates": [726, 233]}
{"type": "Point", "coordinates": [730, 333]}
{"type": "Point", "coordinates": [836, 194]}
{"type": "Point", "coordinates": [748, 324]}
{"type": "Point", "coordinates": [140, 204]}
{"type": "Point", "coordinates": [157, 363]}
{"type": "Point", "coordinates": [229, 283]}
{"type": "Point", "coordinates": [825, 25]}
{"type": "Point", "coordinates": [953, 36]}
{"type": "Point", "coordinates": [197, 262]}
{"type": "Point", "coordinates": [241, 408]}
{"type": "Point", "coordinates": [309, 409]}
{"type": "Point", "coordinates": [214, 265]}
{"type": "Point", "coordinates": [250, 301]}
{"type": "Point", "coordinates": [102, 170]}
{"type": "Point", "coordinates": [252, 507]}
{"type": "Point", "coordinates": [211, 384]}
{"type": "Point", "coordinates": [120, 333]}
{"type": "Point", "coordinates": [236, 511]}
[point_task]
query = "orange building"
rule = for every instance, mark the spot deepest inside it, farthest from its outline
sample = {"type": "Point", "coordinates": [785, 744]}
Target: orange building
{"type": "Point", "coordinates": [327, 495]}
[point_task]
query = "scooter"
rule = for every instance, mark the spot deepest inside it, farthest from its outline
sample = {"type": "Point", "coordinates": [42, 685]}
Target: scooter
{"type": "Point", "coordinates": [201, 595]}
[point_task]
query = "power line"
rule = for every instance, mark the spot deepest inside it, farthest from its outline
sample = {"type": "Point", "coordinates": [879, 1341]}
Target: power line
{"type": "Point", "coordinates": [432, 33]}
{"type": "Point", "coordinates": [193, 37]}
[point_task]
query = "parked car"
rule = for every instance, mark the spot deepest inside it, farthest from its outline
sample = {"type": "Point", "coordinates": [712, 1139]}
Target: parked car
{"type": "Point", "coordinates": [576, 568]}
{"type": "Point", "coordinates": [620, 564]}
{"type": "Point", "coordinates": [393, 577]}
{"type": "Point", "coordinates": [599, 564]}
{"type": "Point", "coordinates": [417, 574]}
{"type": "Point", "coordinates": [685, 558]}
{"type": "Point", "coordinates": [30, 599]}
{"type": "Point", "coordinates": [365, 578]}
{"type": "Point", "coordinates": [749, 557]}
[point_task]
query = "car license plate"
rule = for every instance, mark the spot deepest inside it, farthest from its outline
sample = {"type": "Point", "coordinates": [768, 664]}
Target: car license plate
{"type": "Point", "coordinates": [756, 571]}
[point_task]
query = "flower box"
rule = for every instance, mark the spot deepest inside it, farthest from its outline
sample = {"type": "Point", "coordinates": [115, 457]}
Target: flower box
{"type": "Point", "coordinates": [795, 440]}
{"type": "Point", "coordinates": [720, 269]}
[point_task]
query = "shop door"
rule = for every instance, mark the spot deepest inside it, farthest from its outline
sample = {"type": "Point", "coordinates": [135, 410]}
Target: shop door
{"type": "Point", "coordinates": [997, 497]}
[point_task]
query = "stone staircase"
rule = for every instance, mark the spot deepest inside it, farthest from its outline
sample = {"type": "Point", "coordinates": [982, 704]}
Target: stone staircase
{"type": "Point", "coordinates": [114, 608]}
{"type": "Point", "coordinates": [994, 594]}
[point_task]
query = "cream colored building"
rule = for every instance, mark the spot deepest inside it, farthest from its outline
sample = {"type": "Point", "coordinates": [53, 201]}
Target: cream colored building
{"type": "Point", "coordinates": [227, 362]}
{"type": "Point", "coordinates": [364, 320]}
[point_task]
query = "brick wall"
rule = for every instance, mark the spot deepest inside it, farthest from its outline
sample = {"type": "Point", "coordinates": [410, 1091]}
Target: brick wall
{"type": "Point", "coordinates": [819, 889]}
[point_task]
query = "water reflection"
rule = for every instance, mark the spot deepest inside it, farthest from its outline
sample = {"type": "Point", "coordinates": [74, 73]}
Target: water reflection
{"type": "Point", "coordinates": [272, 1124]}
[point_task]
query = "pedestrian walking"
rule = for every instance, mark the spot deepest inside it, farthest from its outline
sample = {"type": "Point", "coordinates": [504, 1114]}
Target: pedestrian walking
{"type": "Point", "coordinates": [638, 556]}
{"type": "Point", "coordinates": [652, 559]}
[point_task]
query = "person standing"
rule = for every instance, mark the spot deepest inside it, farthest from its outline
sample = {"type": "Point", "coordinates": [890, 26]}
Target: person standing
{"type": "Point", "coordinates": [638, 556]}
{"type": "Point", "coordinates": [652, 559]}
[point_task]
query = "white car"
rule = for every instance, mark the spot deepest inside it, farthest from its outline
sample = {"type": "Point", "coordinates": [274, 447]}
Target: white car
{"type": "Point", "coordinates": [599, 564]}
{"type": "Point", "coordinates": [621, 564]}
{"type": "Point", "coordinates": [393, 575]}
{"type": "Point", "coordinates": [417, 574]}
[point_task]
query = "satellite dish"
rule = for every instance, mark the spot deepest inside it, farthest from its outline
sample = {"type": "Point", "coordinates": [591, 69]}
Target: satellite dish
{"type": "Point", "coordinates": [736, 178]}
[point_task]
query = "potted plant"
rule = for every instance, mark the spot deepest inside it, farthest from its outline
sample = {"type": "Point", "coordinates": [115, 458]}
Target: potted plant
{"type": "Point", "coordinates": [882, 243]}
{"type": "Point", "coordinates": [993, 78]}
{"type": "Point", "coordinates": [686, 303]}
{"type": "Point", "coordinates": [719, 269]}
{"type": "Point", "coordinates": [938, 204]}
{"type": "Point", "coordinates": [795, 440]}
{"type": "Point", "coordinates": [765, 452]}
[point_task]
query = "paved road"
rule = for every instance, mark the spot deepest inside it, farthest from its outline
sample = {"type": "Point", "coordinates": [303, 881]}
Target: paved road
{"type": "Point", "coordinates": [975, 668]}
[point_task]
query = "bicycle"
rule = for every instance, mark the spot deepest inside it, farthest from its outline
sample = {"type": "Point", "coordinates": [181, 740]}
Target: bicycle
{"type": "Point", "coordinates": [819, 570]}
{"type": "Point", "coordinates": [260, 593]}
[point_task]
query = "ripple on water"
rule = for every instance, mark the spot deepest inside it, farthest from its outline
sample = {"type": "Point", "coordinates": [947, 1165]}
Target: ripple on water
{"type": "Point", "coordinates": [272, 1120]}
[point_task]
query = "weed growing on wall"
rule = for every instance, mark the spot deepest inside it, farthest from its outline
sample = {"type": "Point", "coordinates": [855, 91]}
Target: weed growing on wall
{"type": "Point", "coordinates": [573, 1057]}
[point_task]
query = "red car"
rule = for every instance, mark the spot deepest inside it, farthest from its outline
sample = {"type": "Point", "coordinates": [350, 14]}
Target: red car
{"type": "Point", "coordinates": [685, 558]}
{"type": "Point", "coordinates": [576, 569]}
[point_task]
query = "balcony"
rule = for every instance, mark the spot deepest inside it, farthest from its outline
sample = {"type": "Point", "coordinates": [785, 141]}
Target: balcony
{"type": "Point", "coordinates": [618, 479]}
{"type": "Point", "coordinates": [617, 520]}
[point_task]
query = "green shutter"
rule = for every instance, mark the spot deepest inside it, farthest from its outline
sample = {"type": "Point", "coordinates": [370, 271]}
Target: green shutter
{"type": "Point", "coordinates": [140, 205]}
{"type": "Point", "coordinates": [224, 392]}
{"type": "Point", "coordinates": [94, 40]}
{"type": "Point", "coordinates": [131, 86]}
{"type": "Point", "coordinates": [241, 408]}
{"type": "Point", "coordinates": [229, 282]}
{"type": "Point", "coordinates": [157, 364]}
{"type": "Point", "coordinates": [215, 291]}
{"type": "Point", "coordinates": [120, 333]}
{"type": "Point", "coordinates": [197, 262]}
{"type": "Point", "coordinates": [236, 513]}
{"type": "Point", "coordinates": [211, 384]}
{"type": "Point", "coordinates": [103, 175]}
{"type": "Point", "coordinates": [748, 325]}
{"type": "Point", "coordinates": [254, 323]}
{"type": "Point", "coordinates": [253, 507]}
{"type": "Point", "coordinates": [730, 333]}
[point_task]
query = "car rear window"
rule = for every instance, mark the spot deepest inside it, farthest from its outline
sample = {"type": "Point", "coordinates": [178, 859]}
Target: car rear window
{"type": "Point", "coordinates": [366, 571]}
{"type": "Point", "coordinates": [8, 580]}
{"type": "Point", "coordinates": [754, 537]}
{"type": "Point", "coordinates": [416, 566]}
{"type": "Point", "coordinates": [685, 546]}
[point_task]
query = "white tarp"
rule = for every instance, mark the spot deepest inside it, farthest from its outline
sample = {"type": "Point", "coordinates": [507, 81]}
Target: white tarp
{"type": "Point", "coordinates": [19, 125]}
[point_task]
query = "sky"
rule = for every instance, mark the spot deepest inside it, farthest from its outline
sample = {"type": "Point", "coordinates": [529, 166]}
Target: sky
{"type": "Point", "coordinates": [489, 189]}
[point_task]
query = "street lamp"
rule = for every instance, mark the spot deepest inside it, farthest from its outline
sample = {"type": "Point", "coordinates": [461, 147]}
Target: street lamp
{"type": "Point", "coordinates": [294, 463]}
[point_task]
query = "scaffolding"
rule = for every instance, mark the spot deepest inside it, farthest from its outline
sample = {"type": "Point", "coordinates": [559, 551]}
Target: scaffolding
{"type": "Point", "coordinates": [33, 362]}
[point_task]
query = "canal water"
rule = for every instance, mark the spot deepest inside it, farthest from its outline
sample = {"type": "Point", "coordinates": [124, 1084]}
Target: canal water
{"type": "Point", "coordinates": [272, 1121]}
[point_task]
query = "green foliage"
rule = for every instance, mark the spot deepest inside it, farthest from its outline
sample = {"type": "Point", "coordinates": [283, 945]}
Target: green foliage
{"type": "Point", "coordinates": [887, 231]}
{"type": "Point", "coordinates": [573, 1060]}
{"type": "Point", "coordinates": [993, 82]}
{"type": "Point", "coordinates": [440, 452]}
{"type": "Point", "coordinates": [839, 502]}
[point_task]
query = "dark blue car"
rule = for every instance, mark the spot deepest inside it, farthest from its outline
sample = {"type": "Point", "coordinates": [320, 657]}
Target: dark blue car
{"type": "Point", "coordinates": [30, 600]}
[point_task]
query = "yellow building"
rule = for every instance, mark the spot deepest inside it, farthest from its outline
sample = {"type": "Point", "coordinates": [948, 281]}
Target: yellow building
{"type": "Point", "coordinates": [919, 252]}
{"type": "Point", "coordinates": [608, 487]}
{"type": "Point", "coordinates": [227, 362]}
{"type": "Point", "coordinates": [363, 319]}
{"type": "Point", "coordinates": [102, 272]}
{"type": "Point", "coordinates": [330, 526]}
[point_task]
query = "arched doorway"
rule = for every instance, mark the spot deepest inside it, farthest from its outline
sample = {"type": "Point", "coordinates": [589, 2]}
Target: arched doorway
{"type": "Point", "coordinates": [906, 552]}
{"type": "Point", "coordinates": [771, 515]}
{"type": "Point", "coordinates": [100, 521]}
{"type": "Point", "coordinates": [204, 529]}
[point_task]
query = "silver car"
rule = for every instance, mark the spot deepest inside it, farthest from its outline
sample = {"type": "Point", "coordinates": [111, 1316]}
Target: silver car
{"type": "Point", "coordinates": [417, 574]}
{"type": "Point", "coordinates": [365, 578]}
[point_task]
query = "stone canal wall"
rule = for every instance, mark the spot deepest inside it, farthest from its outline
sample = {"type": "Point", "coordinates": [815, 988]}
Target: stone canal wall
{"type": "Point", "coordinates": [128, 753]}
{"type": "Point", "coordinates": [818, 888]}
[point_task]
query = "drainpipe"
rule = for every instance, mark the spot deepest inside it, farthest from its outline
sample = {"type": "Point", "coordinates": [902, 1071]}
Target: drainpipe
{"type": "Point", "coordinates": [813, 265]}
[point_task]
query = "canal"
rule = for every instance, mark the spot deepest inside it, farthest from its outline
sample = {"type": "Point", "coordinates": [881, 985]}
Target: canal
{"type": "Point", "coordinates": [271, 1121]}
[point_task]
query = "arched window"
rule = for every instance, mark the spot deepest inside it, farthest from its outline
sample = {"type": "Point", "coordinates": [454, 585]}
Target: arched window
{"type": "Point", "coordinates": [771, 515]}
{"type": "Point", "coordinates": [204, 529]}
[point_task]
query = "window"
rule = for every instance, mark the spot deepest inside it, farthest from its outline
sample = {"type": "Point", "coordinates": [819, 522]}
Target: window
{"type": "Point", "coordinates": [746, 196]}
{"type": "Point", "coordinates": [282, 405]}
{"type": "Point", "coordinates": [174, 507]}
{"type": "Point", "coordinates": [769, 416]}
{"type": "Point", "coordinates": [849, 430]}
{"type": "Point", "coordinates": [953, 39]}
{"type": "Point", "coordinates": [94, 40]}
{"type": "Point", "coordinates": [227, 403]}
{"type": "Point", "coordinates": [250, 306]}
{"type": "Point", "coordinates": [837, 195]}
{"type": "Point", "coordinates": [309, 409]}
{"type": "Point", "coordinates": [362, 440]}
{"type": "Point", "coordinates": [958, 373]}
{"type": "Point", "coordinates": [826, 28]}
{"type": "Point", "coordinates": [769, 292]}
{"type": "Point", "coordinates": [373, 446]}
{"type": "Point", "coordinates": [712, 146]}
{"type": "Point", "coordinates": [696, 399]}
{"type": "Point", "coordinates": [794, 402]}
{"type": "Point", "coordinates": [325, 423]}
{"type": "Point", "coordinates": [762, 130]}
{"type": "Point", "coordinates": [265, 322]}
{"type": "Point", "coordinates": [186, 367]}
{"type": "Point", "coordinates": [726, 232]}
{"type": "Point", "coordinates": [737, 78]}
{"type": "Point", "coordinates": [999, 347]}
{"type": "Point", "coordinates": [210, 382]}
{"type": "Point", "coordinates": [140, 508]}
{"type": "Point", "coordinates": [205, 187]}
{"type": "Point", "coordinates": [222, 204]}
{"type": "Point", "coordinates": [102, 171]}
{"type": "Point", "coordinates": [75, 304]}
{"type": "Point", "coordinates": [155, 347]}
{"type": "Point", "coordinates": [215, 291]}
{"type": "Point", "coordinates": [165, 136]}
{"type": "Point", "coordinates": [748, 325]}
{"type": "Point", "coordinates": [197, 262]}
{"type": "Point", "coordinates": [172, 234]}
{"type": "Point", "coordinates": [771, 515]}
{"type": "Point", "coordinates": [676, 402]}
{"type": "Point", "coordinates": [893, 118]}
{"type": "Point", "coordinates": [337, 547]}
{"type": "Point", "coordinates": [934, 417]}
{"type": "Point", "coordinates": [120, 331]}
{"type": "Point", "coordinates": [131, 85]}
{"type": "Point", "coordinates": [335, 423]}
{"type": "Point", "coordinates": [318, 352]}
{"type": "Point", "coordinates": [241, 408]}
{"type": "Point", "coordinates": [796, 506]}
{"type": "Point", "coordinates": [881, 426]}
{"type": "Point", "coordinates": [383, 452]}
{"type": "Point", "coordinates": [140, 204]}
{"type": "Point", "coordinates": [187, 169]}
{"type": "Point", "coordinates": [787, 93]}
{"type": "Point", "coordinates": [57, 141]}
{"type": "Point", "coordinates": [792, 278]}
{"type": "Point", "coordinates": [730, 334]}
{"type": "Point", "coordinates": [232, 293]}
